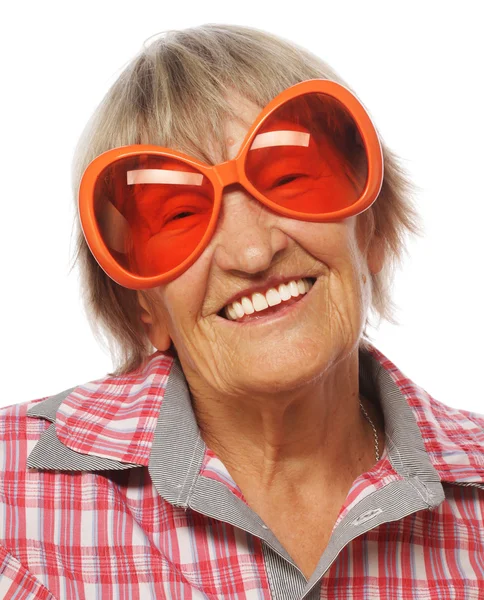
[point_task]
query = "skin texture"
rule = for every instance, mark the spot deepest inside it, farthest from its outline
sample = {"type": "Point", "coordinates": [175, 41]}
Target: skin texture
{"type": "Point", "coordinates": [277, 401]}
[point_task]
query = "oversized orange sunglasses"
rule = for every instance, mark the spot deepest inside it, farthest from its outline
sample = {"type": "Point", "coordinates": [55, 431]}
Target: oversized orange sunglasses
{"type": "Point", "coordinates": [148, 212]}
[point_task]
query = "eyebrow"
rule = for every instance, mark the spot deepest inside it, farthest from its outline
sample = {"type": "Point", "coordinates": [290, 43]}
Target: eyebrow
{"type": "Point", "coordinates": [163, 176]}
{"type": "Point", "coordinates": [281, 138]}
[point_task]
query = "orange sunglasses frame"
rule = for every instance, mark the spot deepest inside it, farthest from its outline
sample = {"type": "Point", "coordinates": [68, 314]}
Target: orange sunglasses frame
{"type": "Point", "coordinates": [227, 173]}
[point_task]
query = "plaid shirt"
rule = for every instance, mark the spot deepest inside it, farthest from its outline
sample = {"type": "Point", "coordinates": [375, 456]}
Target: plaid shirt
{"type": "Point", "coordinates": [107, 491]}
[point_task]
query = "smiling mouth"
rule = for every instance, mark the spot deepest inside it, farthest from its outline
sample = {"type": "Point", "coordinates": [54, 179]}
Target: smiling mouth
{"type": "Point", "coordinates": [272, 301]}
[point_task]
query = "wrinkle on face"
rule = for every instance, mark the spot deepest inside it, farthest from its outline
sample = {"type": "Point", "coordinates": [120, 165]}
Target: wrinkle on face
{"type": "Point", "coordinates": [336, 316]}
{"type": "Point", "coordinates": [229, 361]}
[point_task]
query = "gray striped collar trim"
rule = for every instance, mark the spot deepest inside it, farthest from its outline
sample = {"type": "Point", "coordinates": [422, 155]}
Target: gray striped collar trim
{"type": "Point", "coordinates": [178, 451]}
{"type": "Point", "coordinates": [50, 453]}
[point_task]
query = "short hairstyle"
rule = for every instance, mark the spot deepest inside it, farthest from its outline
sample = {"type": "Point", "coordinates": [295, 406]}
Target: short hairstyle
{"type": "Point", "coordinates": [174, 93]}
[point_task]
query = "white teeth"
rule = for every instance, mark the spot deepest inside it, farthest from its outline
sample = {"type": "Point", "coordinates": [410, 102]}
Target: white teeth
{"type": "Point", "coordinates": [284, 292]}
{"type": "Point", "coordinates": [231, 312]}
{"type": "Point", "coordinates": [273, 297]}
{"type": "Point", "coordinates": [247, 306]}
{"type": "Point", "coordinates": [238, 309]}
{"type": "Point", "coordinates": [293, 289]}
{"type": "Point", "coordinates": [259, 302]}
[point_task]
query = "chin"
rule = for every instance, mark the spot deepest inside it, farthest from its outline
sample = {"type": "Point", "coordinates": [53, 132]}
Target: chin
{"type": "Point", "coordinates": [284, 370]}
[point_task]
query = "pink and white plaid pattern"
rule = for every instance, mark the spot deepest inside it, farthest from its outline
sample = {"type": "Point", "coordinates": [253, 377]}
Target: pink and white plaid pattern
{"type": "Point", "coordinates": [110, 534]}
{"type": "Point", "coordinates": [121, 416]}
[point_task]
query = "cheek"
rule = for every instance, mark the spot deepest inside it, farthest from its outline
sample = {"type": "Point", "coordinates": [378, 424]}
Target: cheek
{"type": "Point", "coordinates": [334, 247]}
{"type": "Point", "coordinates": [183, 297]}
{"type": "Point", "coordinates": [329, 243]}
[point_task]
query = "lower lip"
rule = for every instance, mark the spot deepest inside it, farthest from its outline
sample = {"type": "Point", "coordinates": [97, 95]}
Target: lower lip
{"type": "Point", "coordinates": [260, 319]}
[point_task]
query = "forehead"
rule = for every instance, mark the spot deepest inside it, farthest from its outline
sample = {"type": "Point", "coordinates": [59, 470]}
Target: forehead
{"type": "Point", "coordinates": [235, 129]}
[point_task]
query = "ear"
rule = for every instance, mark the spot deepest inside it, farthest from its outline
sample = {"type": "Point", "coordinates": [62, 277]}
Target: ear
{"type": "Point", "coordinates": [154, 326]}
{"type": "Point", "coordinates": [376, 255]}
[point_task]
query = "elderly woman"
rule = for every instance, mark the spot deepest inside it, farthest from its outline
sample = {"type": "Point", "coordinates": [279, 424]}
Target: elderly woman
{"type": "Point", "coordinates": [237, 227]}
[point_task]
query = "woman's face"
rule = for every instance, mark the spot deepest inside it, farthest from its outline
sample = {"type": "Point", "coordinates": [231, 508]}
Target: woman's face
{"type": "Point", "coordinates": [278, 348]}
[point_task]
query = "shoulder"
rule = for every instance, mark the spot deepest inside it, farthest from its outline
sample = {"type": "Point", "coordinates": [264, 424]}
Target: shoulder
{"type": "Point", "coordinates": [446, 429]}
{"type": "Point", "coordinates": [33, 500]}
{"type": "Point", "coordinates": [19, 499]}
{"type": "Point", "coordinates": [88, 418]}
{"type": "Point", "coordinates": [453, 438]}
{"type": "Point", "coordinates": [461, 421]}
{"type": "Point", "coordinates": [18, 433]}
{"type": "Point", "coordinates": [22, 425]}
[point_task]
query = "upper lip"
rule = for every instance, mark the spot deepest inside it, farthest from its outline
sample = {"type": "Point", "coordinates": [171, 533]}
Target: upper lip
{"type": "Point", "coordinates": [270, 282]}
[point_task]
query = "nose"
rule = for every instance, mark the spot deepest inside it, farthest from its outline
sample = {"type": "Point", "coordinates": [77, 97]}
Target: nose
{"type": "Point", "coordinates": [247, 237]}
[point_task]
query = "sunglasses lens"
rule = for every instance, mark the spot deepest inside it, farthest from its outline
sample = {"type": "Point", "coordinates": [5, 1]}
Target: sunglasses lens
{"type": "Point", "coordinates": [308, 156]}
{"type": "Point", "coordinates": [152, 211]}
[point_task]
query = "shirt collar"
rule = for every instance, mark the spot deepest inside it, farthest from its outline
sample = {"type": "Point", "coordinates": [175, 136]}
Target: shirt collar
{"type": "Point", "coordinates": [146, 419]}
{"type": "Point", "coordinates": [112, 418]}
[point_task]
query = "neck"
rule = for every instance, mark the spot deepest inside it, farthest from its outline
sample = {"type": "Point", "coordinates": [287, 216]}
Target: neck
{"type": "Point", "coordinates": [316, 431]}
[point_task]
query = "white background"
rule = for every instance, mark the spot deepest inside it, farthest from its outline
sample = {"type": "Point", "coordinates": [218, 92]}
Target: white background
{"type": "Point", "coordinates": [417, 67]}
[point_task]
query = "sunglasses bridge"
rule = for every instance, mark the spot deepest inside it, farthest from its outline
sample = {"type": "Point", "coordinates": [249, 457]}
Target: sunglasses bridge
{"type": "Point", "coordinates": [227, 173]}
